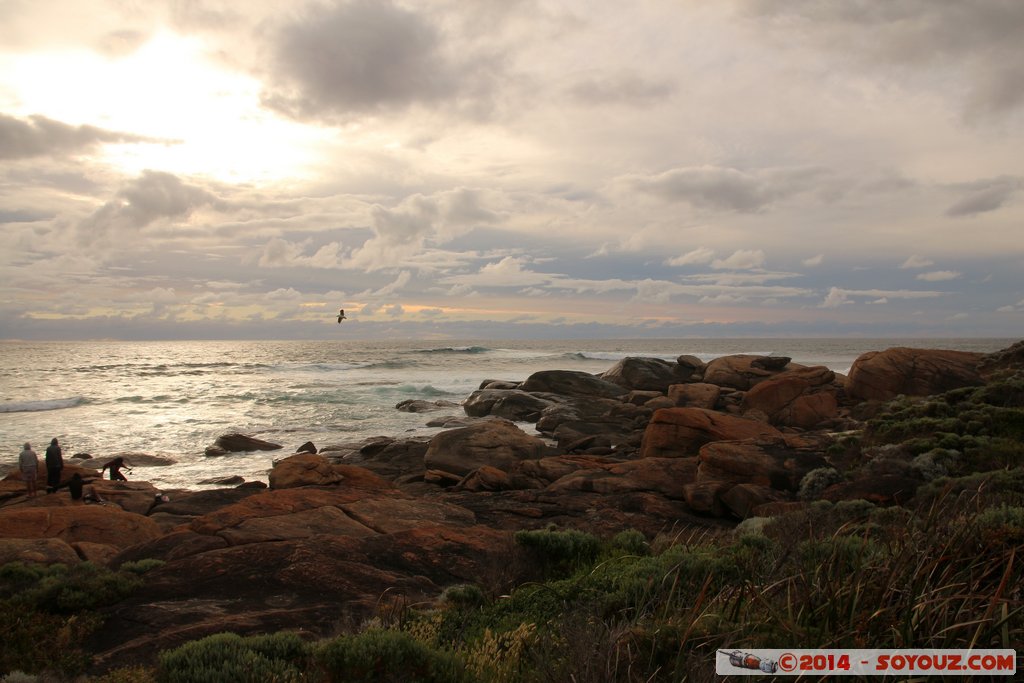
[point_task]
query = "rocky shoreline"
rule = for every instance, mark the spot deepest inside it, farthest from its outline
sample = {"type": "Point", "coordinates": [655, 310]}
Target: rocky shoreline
{"type": "Point", "coordinates": [660, 447]}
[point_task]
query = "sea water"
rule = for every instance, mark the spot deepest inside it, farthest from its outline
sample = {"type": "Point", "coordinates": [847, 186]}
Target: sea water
{"type": "Point", "coordinates": [173, 399]}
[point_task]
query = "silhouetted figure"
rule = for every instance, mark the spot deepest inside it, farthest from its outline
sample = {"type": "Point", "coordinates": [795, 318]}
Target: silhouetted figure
{"type": "Point", "coordinates": [76, 486]}
{"type": "Point", "coordinates": [28, 463]}
{"type": "Point", "coordinates": [54, 465]}
{"type": "Point", "coordinates": [115, 466]}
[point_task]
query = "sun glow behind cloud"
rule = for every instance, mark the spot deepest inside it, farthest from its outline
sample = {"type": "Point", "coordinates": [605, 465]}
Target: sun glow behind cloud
{"type": "Point", "coordinates": [202, 119]}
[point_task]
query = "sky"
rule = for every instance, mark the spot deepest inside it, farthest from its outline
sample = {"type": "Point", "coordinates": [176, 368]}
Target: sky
{"type": "Point", "coordinates": [216, 169]}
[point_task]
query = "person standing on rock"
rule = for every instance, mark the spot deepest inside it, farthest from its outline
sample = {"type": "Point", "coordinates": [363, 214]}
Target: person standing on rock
{"type": "Point", "coordinates": [28, 462]}
{"type": "Point", "coordinates": [54, 465]}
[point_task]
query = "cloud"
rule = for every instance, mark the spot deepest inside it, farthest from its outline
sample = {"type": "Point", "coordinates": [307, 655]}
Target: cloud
{"type": "Point", "coordinates": [838, 296]}
{"type": "Point", "coordinates": [985, 196]}
{"type": "Point", "coordinates": [939, 275]}
{"type": "Point", "coordinates": [280, 253]}
{"type": "Point", "coordinates": [980, 40]}
{"type": "Point", "coordinates": [153, 196]}
{"type": "Point", "coordinates": [914, 261]}
{"type": "Point", "coordinates": [700, 255]}
{"type": "Point", "coordinates": [814, 261]}
{"type": "Point", "coordinates": [741, 259]}
{"type": "Point", "coordinates": [1012, 308]}
{"type": "Point", "coordinates": [623, 88]}
{"type": "Point", "coordinates": [351, 58]}
{"type": "Point", "coordinates": [40, 136]}
{"type": "Point", "coordinates": [403, 231]}
{"type": "Point", "coordinates": [725, 189]}
{"type": "Point", "coordinates": [835, 298]}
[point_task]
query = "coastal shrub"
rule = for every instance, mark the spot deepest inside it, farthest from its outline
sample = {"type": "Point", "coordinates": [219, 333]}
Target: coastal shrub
{"type": "Point", "coordinates": [379, 656]}
{"type": "Point", "coordinates": [816, 481]}
{"type": "Point", "coordinates": [57, 605]}
{"type": "Point", "coordinates": [60, 589]}
{"type": "Point", "coordinates": [140, 567]}
{"type": "Point", "coordinates": [464, 595]}
{"type": "Point", "coordinates": [631, 542]}
{"type": "Point", "coordinates": [559, 552]}
{"type": "Point", "coordinates": [994, 487]}
{"type": "Point", "coordinates": [230, 658]}
{"type": "Point", "coordinates": [935, 463]}
{"type": "Point", "coordinates": [1002, 524]}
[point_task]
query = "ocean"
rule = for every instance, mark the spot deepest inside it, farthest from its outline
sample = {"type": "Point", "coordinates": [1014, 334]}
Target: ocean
{"type": "Point", "coordinates": [173, 399]}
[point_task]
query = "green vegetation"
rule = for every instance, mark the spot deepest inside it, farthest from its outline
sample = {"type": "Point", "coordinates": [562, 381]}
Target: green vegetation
{"type": "Point", "coordinates": [47, 612]}
{"type": "Point", "coordinates": [982, 427]}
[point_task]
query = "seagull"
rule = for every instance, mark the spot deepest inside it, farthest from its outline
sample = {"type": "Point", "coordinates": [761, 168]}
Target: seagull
{"type": "Point", "coordinates": [341, 315]}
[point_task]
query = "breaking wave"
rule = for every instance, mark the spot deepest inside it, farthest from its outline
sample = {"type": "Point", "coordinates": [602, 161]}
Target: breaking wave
{"type": "Point", "coordinates": [38, 406]}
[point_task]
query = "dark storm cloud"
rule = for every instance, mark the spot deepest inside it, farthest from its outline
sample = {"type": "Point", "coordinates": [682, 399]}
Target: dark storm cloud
{"type": "Point", "coordinates": [39, 136]}
{"type": "Point", "coordinates": [361, 56]}
{"type": "Point", "coordinates": [980, 37]}
{"type": "Point", "coordinates": [985, 196]}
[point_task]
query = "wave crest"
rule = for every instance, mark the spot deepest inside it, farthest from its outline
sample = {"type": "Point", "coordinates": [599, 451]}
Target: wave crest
{"type": "Point", "coordinates": [38, 406]}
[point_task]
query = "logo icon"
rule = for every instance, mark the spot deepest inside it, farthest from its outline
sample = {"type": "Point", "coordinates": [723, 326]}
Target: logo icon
{"type": "Point", "coordinates": [744, 660]}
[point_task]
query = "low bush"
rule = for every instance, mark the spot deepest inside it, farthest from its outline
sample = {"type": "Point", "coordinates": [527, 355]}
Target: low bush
{"type": "Point", "coordinates": [378, 656]}
{"type": "Point", "coordinates": [560, 552]}
{"type": "Point", "coordinates": [230, 658]}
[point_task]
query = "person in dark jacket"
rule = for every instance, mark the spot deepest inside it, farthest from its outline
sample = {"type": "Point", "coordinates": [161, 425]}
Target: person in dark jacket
{"type": "Point", "coordinates": [75, 486]}
{"type": "Point", "coordinates": [54, 465]}
{"type": "Point", "coordinates": [115, 466]}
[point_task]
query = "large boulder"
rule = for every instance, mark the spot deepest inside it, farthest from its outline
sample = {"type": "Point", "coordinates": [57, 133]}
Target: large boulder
{"type": "Point", "coordinates": [647, 374]}
{"type": "Point", "coordinates": [497, 443]}
{"type": "Point", "coordinates": [571, 383]}
{"type": "Point", "coordinates": [764, 464]}
{"type": "Point", "coordinates": [680, 432]}
{"type": "Point", "coordinates": [315, 584]}
{"type": "Point", "coordinates": [798, 398]}
{"type": "Point", "coordinates": [665, 476]}
{"type": "Point", "coordinates": [743, 371]}
{"type": "Point", "coordinates": [37, 551]}
{"type": "Point", "coordinates": [695, 395]}
{"type": "Point", "coordinates": [104, 524]}
{"type": "Point", "coordinates": [239, 443]}
{"type": "Point", "coordinates": [386, 456]}
{"type": "Point", "coordinates": [307, 469]}
{"type": "Point", "coordinates": [511, 404]}
{"type": "Point", "coordinates": [882, 375]}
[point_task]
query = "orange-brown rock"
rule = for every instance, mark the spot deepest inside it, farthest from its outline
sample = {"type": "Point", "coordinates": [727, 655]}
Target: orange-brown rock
{"type": "Point", "coordinates": [100, 554]}
{"type": "Point", "coordinates": [37, 551]}
{"type": "Point", "coordinates": [743, 371]}
{"type": "Point", "coordinates": [666, 476]}
{"type": "Point", "coordinates": [486, 478]}
{"type": "Point", "coordinates": [106, 524]}
{"type": "Point", "coordinates": [307, 469]}
{"type": "Point", "coordinates": [706, 496]}
{"type": "Point", "coordinates": [752, 462]}
{"type": "Point", "coordinates": [696, 395]}
{"type": "Point", "coordinates": [680, 432]}
{"type": "Point", "coordinates": [886, 489]}
{"type": "Point", "coordinates": [742, 499]}
{"type": "Point", "coordinates": [882, 375]}
{"type": "Point", "coordinates": [497, 443]}
{"type": "Point", "coordinates": [801, 398]}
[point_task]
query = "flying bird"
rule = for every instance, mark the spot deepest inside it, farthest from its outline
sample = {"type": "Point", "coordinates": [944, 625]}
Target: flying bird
{"type": "Point", "coordinates": [341, 315]}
